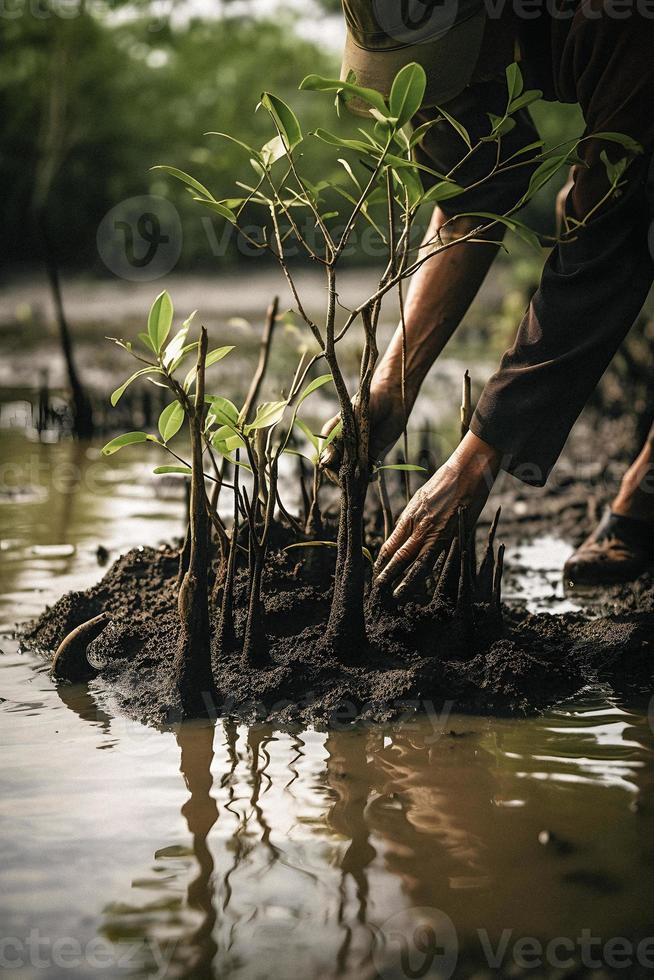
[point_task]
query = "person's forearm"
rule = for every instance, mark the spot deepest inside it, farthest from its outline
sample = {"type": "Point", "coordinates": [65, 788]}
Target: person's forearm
{"type": "Point", "coordinates": [437, 299]}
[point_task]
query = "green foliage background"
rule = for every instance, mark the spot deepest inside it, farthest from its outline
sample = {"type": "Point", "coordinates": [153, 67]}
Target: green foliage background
{"type": "Point", "coordinates": [89, 102]}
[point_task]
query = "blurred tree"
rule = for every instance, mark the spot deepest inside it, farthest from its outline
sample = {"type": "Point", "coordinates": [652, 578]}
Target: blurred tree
{"type": "Point", "coordinates": [87, 106]}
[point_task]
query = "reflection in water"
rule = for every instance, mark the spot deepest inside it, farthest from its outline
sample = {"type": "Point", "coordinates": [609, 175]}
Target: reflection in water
{"type": "Point", "coordinates": [324, 839]}
{"type": "Point", "coordinates": [201, 813]}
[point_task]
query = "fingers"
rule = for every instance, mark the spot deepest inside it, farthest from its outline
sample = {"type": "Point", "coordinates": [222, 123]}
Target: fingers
{"type": "Point", "coordinates": [401, 533]}
{"type": "Point", "coordinates": [399, 552]}
{"type": "Point", "coordinates": [330, 459]}
{"type": "Point", "coordinates": [417, 574]}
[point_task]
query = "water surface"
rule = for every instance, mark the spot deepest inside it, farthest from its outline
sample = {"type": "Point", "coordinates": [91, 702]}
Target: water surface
{"type": "Point", "coordinates": [435, 847]}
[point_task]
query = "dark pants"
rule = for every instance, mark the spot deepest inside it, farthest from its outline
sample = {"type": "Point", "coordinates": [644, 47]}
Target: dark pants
{"type": "Point", "coordinates": [592, 286]}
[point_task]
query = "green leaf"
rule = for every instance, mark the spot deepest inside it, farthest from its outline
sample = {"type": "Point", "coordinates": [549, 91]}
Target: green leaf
{"type": "Point", "coordinates": [217, 355]}
{"type": "Point", "coordinates": [544, 173]}
{"type": "Point", "coordinates": [224, 410]}
{"type": "Point", "coordinates": [518, 227]}
{"type": "Point", "coordinates": [514, 81]}
{"type": "Point", "coordinates": [420, 132]}
{"type": "Point", "coordinates": [171, 421]}
{"type": "Point", "coordinates": [332, 434]}
{"type": "Point", "coordinates": [412, 185]}
{"type": "Point", "coordinates": [536, 145]}
{"type": "Point", "coordinates": [627, 141]}
{"type": "Point", "coordinates": [272, 151]}
{"type": "Point", "coordinates": [186, 179]}
{"type": "Point", "coordinates": [407, 92]}
{"type": "Point", "coordinates": [402, 467]}
{"type": "Point", "coordinates": [317, 83]}
{"type": "Point", "coordinates": [532, 95]}
{"type": "Point", "coordinates": [310, 544]}
{"type": "Point", "coordinates": [240, 143]}
{"type": "Point", "coordinates": [145, 340]}
{"type": "Point", "coordinates": [219, 208]}
{"type": "Point", "coordinates": [183, 470]}
{"type": "Point", "coordinates": [501, 125]}
{"type": "Point", "coordinates": [128, 439]}
{"type": "Point", "coordinates": [118, 393]}
{"type": "Point", "coordinates": [186, 349]}
{"type": "Point", "coordinates": [348, 170]}
{"type": "Point", "coordinates": [284, 118]}
{"type": "Point", "coordinates": [226, 439]}
{"type": "Point", "coordinates": [268, 414]}
{"type": "Point", "coordinates": [176, 345]}
{"type": "Point", "coordinates": [358, 145]}
{"type": "Point", "coordinates": [313, 439]}
{"type": "Point", "coordinates": [442, 191]}
{"type": "Point", "coordinates": [459, 127]}
{"type": "Point", "coordinates": [160, 320]}
{"type": "Point", "coordinates": [313, 386]}
{"type": "Point", "coordinates": [614, 171]}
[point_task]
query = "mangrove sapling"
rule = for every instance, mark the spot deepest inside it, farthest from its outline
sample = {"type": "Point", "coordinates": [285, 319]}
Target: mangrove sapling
{"type": "Point", "coordinates": [385, 175]}
{"type": "Point", "coordinates": [192, 668]}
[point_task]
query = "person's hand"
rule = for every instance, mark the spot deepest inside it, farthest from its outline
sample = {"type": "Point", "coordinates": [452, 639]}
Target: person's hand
{"type": "Point", "coordinates": [430, 519]}
{"type": "Point", "coordinates": [386, 427]}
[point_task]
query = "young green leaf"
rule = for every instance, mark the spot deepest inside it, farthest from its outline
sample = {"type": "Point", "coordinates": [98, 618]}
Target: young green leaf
{"type": "Point", "coordinates": [459, 127]}
{"type": "Point", "coordinates": [171, 421]}
{"type": "Point", "coordinates": [145, 340]}
{"type": "Point", "coordinates": [186, 179]}
{"type": "Point", "coordinates": [407, 92]}
{"type": "Point", "coordinates": [420, 132]}
{"type": "Point", "coordinates": [543, 173]}
{"type": "Point", "coordinates": [316, 83]}
{"type": "Point", "coordinates": [310, 544]}
{"type": "Point", "coordinates": [630, 144]}
{"type": "Point", "coordinates": [314, 440]}
{"type": "Point", "coordinates": [128, 439]}
{"type": "Point", "coordinates": [268, 414]}
{"type": "Point", "coordinates": [313, 386]}
{"type": "Point", "coordinates": [442, 191]}
{"type": "Point", "coordinates": [514, 81]}
{"type": "Point", "coordinates": [358, 145]}
{"type": "Point", "coordinates": [176, 345]}
{"type": "Point", "coordinates": [402, 467]}
{"type": "Point", "coordinates": [183, 470]}
{"type": "Point", "coordinates": [160, 320]}
{"type": "Point", "coordinates": [217, 355]}
{"type": "Point", "coordinates": [219, 208]}
{"type": "Point", "coordinates": [331, 435]}
{"type": "Point", "coordinates": [284, 118]}
{"type": "Point", "coordinates": [225, 411]}
{"type": "Point", "coordinates": [531, 95]}
{"type": "Point", "coordinates": [118, 393]}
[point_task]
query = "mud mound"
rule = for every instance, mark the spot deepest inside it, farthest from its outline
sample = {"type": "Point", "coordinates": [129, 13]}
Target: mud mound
{"type": "Point", "coordinates": [417, 657]}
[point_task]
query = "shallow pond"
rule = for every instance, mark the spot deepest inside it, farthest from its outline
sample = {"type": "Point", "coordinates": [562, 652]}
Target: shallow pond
{"type": "Point", "coordinates": [449, 846]}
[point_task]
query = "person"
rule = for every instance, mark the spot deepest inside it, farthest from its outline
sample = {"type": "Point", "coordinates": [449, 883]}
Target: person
{"type": "Point", "coordinates": [594, 282]}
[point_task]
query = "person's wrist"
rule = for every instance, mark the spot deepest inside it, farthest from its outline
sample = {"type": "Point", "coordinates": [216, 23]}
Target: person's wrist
{"type": "Point", "coordinates": [479, 454]}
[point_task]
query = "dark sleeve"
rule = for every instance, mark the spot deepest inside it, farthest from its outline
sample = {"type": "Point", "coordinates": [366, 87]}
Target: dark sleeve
{"type": "Point", "coordinates": [594, 284]}
{"type": "Point", "coordinates": [442, 148]}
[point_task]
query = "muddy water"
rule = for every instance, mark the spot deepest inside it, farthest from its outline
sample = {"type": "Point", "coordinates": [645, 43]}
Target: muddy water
{"type": "Point", "coordinates": [417, 850]}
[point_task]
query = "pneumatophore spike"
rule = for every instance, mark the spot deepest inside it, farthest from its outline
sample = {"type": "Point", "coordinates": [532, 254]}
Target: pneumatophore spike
{"type": "Point", "coordinates": [448, 581]}
{"type": "Point", "coordinates": [466, 404]}
{"type": "Point", "coordinates": [436, 571]}
{"type": "Point", "coordinates": [484, 589]}
{"type": "Point", "coordinates": [497, 581]}
{"type": "Point", "coordinates": [464, 600]}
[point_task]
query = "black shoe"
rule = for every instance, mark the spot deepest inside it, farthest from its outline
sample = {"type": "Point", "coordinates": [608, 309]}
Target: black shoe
{"type": "Point", "coordinates": [619, 550]}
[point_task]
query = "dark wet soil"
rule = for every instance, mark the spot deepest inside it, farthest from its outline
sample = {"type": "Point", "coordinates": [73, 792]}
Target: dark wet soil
{"type": "Point", "coordinates": [417, 657]}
